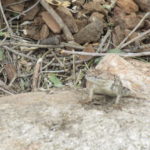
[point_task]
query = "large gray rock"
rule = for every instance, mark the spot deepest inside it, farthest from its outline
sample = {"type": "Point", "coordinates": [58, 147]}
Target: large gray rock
{"type": "Point", "coordinates": [60, 121]}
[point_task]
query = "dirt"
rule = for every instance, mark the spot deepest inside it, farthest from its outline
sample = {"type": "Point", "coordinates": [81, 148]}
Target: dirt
{"type": "Point", "coordinates": [62, 120]}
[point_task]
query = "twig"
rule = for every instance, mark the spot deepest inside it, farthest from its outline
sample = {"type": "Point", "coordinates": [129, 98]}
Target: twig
{"type": "Point", "coordinates": [104, 54]}
{"type": "Point", "coordinates": [7, 24]}
{"type": "Point", "coordinates": [136, 38]}
{"type": "Point", "coordinates": [145, 46]}
{"type": "Point", "coordinates": [36, 74]}
{"type": "Point", "coordinates": [3, 40]}
{"type": "Point", "coordinates": [62, 45]}
{"type": "Point", "coordinates": [136, 27]}
{"type": "Point", "coordinates": [5, 88]}
{"type": "Point", "coordinates": [54, 71]}
{"type": "Point", "coordinates": [12, 81]}
{"type": "Point", "coordinates": [105, 49]}
{"type": "Point", "coordinates": [58, 19]}
{"type": "Point", "coordinates": [59, 61]}
{"type": "Point", "coordinates": [12, 11]}
{"type": "Point", "coordinates": [6, 91]}
{"type": "Point", "coordinates": [103, 41]}
{"type": "Point", "coordinates": [20, 54]}
{"type": "Point", "coordinates": [74, 67]}
{"type": "Point", "coordinates": [72, 46]}
{"type": "Point", "coordinates": [30, 45]}
{"type": "Point", "coordinates": [48, 64]}
{"type": "Point", "coordinates": [35, 59]}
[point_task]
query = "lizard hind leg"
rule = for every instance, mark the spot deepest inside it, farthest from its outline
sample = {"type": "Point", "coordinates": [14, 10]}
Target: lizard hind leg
{"type": "Point", "coordinates": [118, 99]}
{"type": "Point", "coordinates": [91, 93]}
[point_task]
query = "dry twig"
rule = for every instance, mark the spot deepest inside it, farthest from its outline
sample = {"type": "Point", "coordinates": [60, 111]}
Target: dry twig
{"type": "Point", "coordinates": [36, 74]}
{"type": "Point", "coordinates": [120, 46]}
{"type": "Point", "coordinates": [62, 45]}
{"type": "Point", "coordinates": [7, 24]}
{"type": "Point", "coordinates": [103, 41]}
{"type": "Point", "coordinates": [20, 54]}
{"type": "Point", "coordinates": [104, 54]}
{"type": "Point", "coordinates": [6, 91]}
{"type": "Point", "coordinates": [52, 12]}
{"type": "Point", "coordinates": [136, 38]}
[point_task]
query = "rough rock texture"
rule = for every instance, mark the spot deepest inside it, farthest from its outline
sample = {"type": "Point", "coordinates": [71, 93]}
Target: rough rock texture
{"type": "Point", "coordinates": [89, 33]}
{"type": "Point", "coordinates": [144, 4]}
{"type": "Point", "coordinates": [39, 121]}
{"type": "Point", "coordinates": [128, 6]}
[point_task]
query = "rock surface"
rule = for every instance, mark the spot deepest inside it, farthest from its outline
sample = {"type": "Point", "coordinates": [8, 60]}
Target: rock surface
{"type": "Point", "coordinates": [144, 4]}
{"type": "Point", "coordinates": [89, 33]}
{"type": "Point", "coordinates": [59, 121]}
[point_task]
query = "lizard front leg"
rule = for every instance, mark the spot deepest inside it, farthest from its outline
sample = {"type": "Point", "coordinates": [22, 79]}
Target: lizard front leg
{"type": "Point", "coordinates": [91, 93]}
{"type": "Point", "coordinates": [118, 99]}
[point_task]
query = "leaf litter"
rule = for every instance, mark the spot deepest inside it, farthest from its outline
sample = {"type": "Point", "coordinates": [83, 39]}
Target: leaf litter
{"type": "Point", "coordinates": [54, 30]}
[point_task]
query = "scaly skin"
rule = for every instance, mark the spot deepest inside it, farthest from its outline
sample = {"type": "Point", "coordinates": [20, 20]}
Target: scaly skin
{"type": "Point", "coordinates": [106, 84]}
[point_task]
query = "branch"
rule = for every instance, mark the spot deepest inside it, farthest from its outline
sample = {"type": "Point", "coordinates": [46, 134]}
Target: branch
{"type": "Point", "coordinates": [104, 54]}
{"type": "Point", "coordinates": [136, 27]}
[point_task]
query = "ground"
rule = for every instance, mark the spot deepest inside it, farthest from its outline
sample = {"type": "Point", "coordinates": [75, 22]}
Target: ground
{"type": "Point", "coordinates": [63, 120]}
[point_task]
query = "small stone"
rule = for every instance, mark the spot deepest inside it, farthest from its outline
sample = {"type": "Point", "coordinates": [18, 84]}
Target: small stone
{"type": "Point", "coordinates": [90, 33]}
{"type": "Point", "coordinates": [128, 6]}
{"type": "Point", "coordinates": [143, 4]}
{"type": "Point", "coordinates": [68, 19]}
{"type": "Point", "coordinates": [51, 22]}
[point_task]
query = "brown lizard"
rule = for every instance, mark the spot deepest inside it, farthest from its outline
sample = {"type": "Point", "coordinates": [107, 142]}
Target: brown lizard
{"type": "Point", "coordinates": [106, 84]}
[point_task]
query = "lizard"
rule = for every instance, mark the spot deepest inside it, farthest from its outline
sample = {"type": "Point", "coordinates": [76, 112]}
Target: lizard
{"type": "Point", "coordinates": [105, 84]}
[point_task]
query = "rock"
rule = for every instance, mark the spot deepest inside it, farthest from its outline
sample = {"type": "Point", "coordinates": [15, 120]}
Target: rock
{"type": "Point", "coordinates": [133, 78]}
{"type": "Point", "coordinates": [51, 22]}
{"type": "Point", "coordinates": [68, 19]}
{"type": "Point", "coordinates": [32, 32]}
{"type": "Point", "coordinates": [96, 17]}
{"type": "Point", "coordinates": [90, 33]}
{"type": "Point", "coordinates": [52, 40]}
{"type": "Point", "coordinates": [95, 6]}
{"type": "Point", "coordinates": [17, 8]}
{"type": "Point", "coordinates": [131, 21]}
{"type": "Point", "coordinates": [128, 6]}
{"type": "Point", "coordinates": [58, 121]}
{"type": "Point", "coordinates": [81, 23]}
{"type": "Point", "coordinates": [30, 15]}
{"type": "Point", "coordinates": [118, 35]}
{"type": "Point", "coordinates": [143, 4]}
{"type": "Point", "coordinates": [44, 32]}
{"type": "Point", "coordinates": [126, 21]}
{"type": "Point", "coordinates": [88, 48]}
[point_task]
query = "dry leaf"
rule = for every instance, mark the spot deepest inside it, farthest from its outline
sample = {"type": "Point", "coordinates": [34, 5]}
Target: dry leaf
{"type": "Point", "coordinates": [10, 71]}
